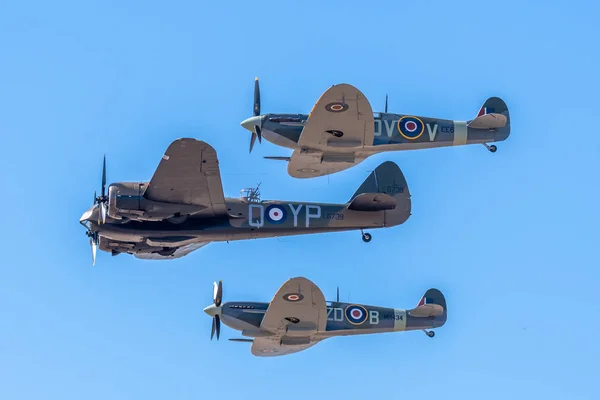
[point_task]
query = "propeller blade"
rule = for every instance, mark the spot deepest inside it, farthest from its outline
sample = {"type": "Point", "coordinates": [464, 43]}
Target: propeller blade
{"type": "Point", "coordinates": [95, 197]}
{"type": "Point", "coordinates": [103, 212]}
{"type": "Point", "coordinates": [256, 97]}
{"type": "Point", "coordinates": [258, 133]}
{"type": "Point", "coordinates": [104, 177]}
{"type": "Point", "coordinates": [212, 332]}
{"type": "Point", "coordinates": [252, 140]}
{"type": "Point", "coordinates": [218, 293]}
{"type": "Point", "coordinates": [218, 324]}
{"type": "Point", "coordinates": [93, 244]}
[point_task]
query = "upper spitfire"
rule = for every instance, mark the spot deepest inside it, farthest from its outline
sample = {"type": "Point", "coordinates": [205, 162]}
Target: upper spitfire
{"type": "Point", "coordinates": [183, 208]}
{"type": "Point", "coordinates": [342, 131]}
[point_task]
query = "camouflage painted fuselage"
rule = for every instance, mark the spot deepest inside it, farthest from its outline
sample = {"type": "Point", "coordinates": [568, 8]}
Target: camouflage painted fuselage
{"type": "Point", "coordinates": [390, 134]}
{"type": "Point", "coordinates": [247, 317]}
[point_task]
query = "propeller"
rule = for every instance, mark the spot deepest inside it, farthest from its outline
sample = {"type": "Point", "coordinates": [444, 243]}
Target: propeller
{"type": "Point", "coordinates": [217, 298]}
{"type": "Point", "coordinates": [94, 239]}
{"type": "Point", "coordinates": [256, 131]}
{"type": "Point", "coordinates": [102, 200]}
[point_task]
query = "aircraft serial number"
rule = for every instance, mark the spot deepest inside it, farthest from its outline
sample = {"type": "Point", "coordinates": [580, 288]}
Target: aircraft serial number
{"type": "Point", "coordinates": [396, 317]}
{"type": "Point", "coordinates": [334, 216]}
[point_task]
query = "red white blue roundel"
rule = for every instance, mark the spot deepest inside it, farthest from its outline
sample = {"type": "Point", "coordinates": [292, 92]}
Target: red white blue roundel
{"type": "Point", "coordinates": [275, 214]}
{"type": "Point", "coordinates": [410, 127]}
{"type": "Point", "coordinates": [356, 314]}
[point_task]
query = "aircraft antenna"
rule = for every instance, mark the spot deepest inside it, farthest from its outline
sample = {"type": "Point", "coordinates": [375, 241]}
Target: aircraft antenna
{"type": "Point", "coordinates": [386, 101]}
{"type": "Point", "coordinates": [338, 294]}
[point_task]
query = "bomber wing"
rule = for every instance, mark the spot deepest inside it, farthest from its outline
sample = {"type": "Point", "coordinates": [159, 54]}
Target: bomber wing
{"type": "Point", "coordinates": [180, 252]}
{"type": "Point", "coordinates": [188, 173]}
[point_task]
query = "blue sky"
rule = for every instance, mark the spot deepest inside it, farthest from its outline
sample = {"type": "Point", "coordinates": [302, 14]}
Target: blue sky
{"type": "Point", "coordinates": [511, 238]}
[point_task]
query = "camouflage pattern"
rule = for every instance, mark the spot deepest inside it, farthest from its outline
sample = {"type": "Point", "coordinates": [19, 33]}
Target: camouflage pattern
{"type": "Point", "coordinates": [161, 227]}
{"type": "Point", "coordinates": [342, 319]}
{"type": "Point", "coordinates": [285, 130]}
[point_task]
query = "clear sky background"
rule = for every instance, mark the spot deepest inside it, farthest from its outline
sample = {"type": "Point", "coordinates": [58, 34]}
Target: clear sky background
{"type": "Point", "coordinates": [511, 238]}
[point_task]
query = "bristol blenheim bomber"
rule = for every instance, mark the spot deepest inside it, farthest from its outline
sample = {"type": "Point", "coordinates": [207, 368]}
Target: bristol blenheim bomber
{"type": "Point", "coordinates": [342, 131]}
{"type": "Point", "coordinates": [298, 317]}
{"type": "Point", "coordinates": [183, 208]}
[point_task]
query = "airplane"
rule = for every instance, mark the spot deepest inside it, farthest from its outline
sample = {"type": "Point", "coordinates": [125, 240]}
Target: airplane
{"type": "Point", "coordinates": [342, 131]}
{"type": "Point", "coordinates": [298, 317]}
{"type": "Point", "coordinates": [183, 208]}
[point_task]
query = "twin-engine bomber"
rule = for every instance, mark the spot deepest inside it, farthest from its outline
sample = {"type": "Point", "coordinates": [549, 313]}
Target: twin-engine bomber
{"type": "Point", "coordinates": [183, 208]}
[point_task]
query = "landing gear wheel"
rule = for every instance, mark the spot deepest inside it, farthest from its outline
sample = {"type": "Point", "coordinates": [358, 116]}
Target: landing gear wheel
{"type": "Point", "coordinates": [492, 148]}
{"type": "Point", "coordinates": [431, 333]}
{"type": "Point", "coordinates": [366, 237]}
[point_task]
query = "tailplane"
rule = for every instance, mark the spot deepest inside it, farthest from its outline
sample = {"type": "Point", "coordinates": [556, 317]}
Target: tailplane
{"type": "Point", "coordinates": [493, 115]}
{"type": "Point", "coordinates": [431, 305]}
{"type": "Point", "coordinates": [385, 189]}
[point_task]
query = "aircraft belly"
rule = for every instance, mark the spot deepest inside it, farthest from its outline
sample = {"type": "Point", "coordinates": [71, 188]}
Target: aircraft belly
{"type": "Point", "coordinates": [278, 139]}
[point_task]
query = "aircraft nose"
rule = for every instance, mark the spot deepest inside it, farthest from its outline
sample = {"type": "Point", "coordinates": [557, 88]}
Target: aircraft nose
{"type": "Point", "coordinates": [250, 122]}
{"type": "Point", "coordinates": [212, 310]}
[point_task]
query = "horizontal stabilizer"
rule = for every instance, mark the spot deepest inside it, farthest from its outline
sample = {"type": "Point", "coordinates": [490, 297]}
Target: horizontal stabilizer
{"type": "Point", "coordinates": [278, 158]}
{"type": "Point", "coordinates": [373, 202]}
{"type": "Point", "coordinates": [432, 304]}
{"type": "Point", "coordinates": [242, 340]}
{"type": "Point", "coordinates": [488, 121]}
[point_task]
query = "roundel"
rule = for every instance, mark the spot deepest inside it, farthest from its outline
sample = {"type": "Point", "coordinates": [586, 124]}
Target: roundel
{"type": "Point", "coordinates": [410, 127]}
{"type": "Point", "coordinates": [275, 214]}
{"type": "Point", "coordinates": [356, 314]}
{"type": "Point", "coordinates": [336, 107]}
{"type": "Point", "coordinates": [293, 297]}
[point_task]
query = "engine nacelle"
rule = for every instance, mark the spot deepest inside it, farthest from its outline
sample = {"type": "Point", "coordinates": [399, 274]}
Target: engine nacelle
{"type": "Point", "coordinates": [125, 200]}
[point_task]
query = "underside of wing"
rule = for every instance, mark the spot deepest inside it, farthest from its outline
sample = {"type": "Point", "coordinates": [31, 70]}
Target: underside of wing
{"type": "Point", "coordinates": [341, 118]}
{"type": "Point", "coordinates": [312, 164]}
{"type": "Point", "coordinates": [271, 347]}
{"type": "Point", "coordinates": [189, 174]}
{"type": "Point", "coordinates": [299, 307]}
{"type": "Point", "coordinates": [164, 254]}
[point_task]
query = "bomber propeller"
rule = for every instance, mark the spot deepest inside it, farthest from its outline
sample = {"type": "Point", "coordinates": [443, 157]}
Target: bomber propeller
{"type": "Point", "coordinates": [102, 200]}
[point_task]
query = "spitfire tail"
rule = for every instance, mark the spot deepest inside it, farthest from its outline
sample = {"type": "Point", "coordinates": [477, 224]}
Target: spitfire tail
{"type": "Point", "coordinates": [385, 189]}
{"type": "Point", "coordinates": [432, 307]}
{"type": "Point", "coordinates": [493, 115]}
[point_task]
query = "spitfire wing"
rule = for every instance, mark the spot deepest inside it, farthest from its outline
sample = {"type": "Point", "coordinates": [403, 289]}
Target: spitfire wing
{"type": "Point", "coordinates": [298, 300]}
{"type": "Point", "coordinates": [310, 165]}
{"type": "Point", "coordinates": [342, 117]}
{"type": "Point", "coordinates": [270, 347]}
{"type": "Point", "coordinates": [188, 174]}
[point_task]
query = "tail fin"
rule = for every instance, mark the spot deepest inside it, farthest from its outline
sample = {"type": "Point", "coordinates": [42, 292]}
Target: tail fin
{"type": "Point", "coordinates": [493, 115]}
{"type": "Point", "coordinates": [432, 304]}
{"type": "Point", "coordinates": [384, 189]}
